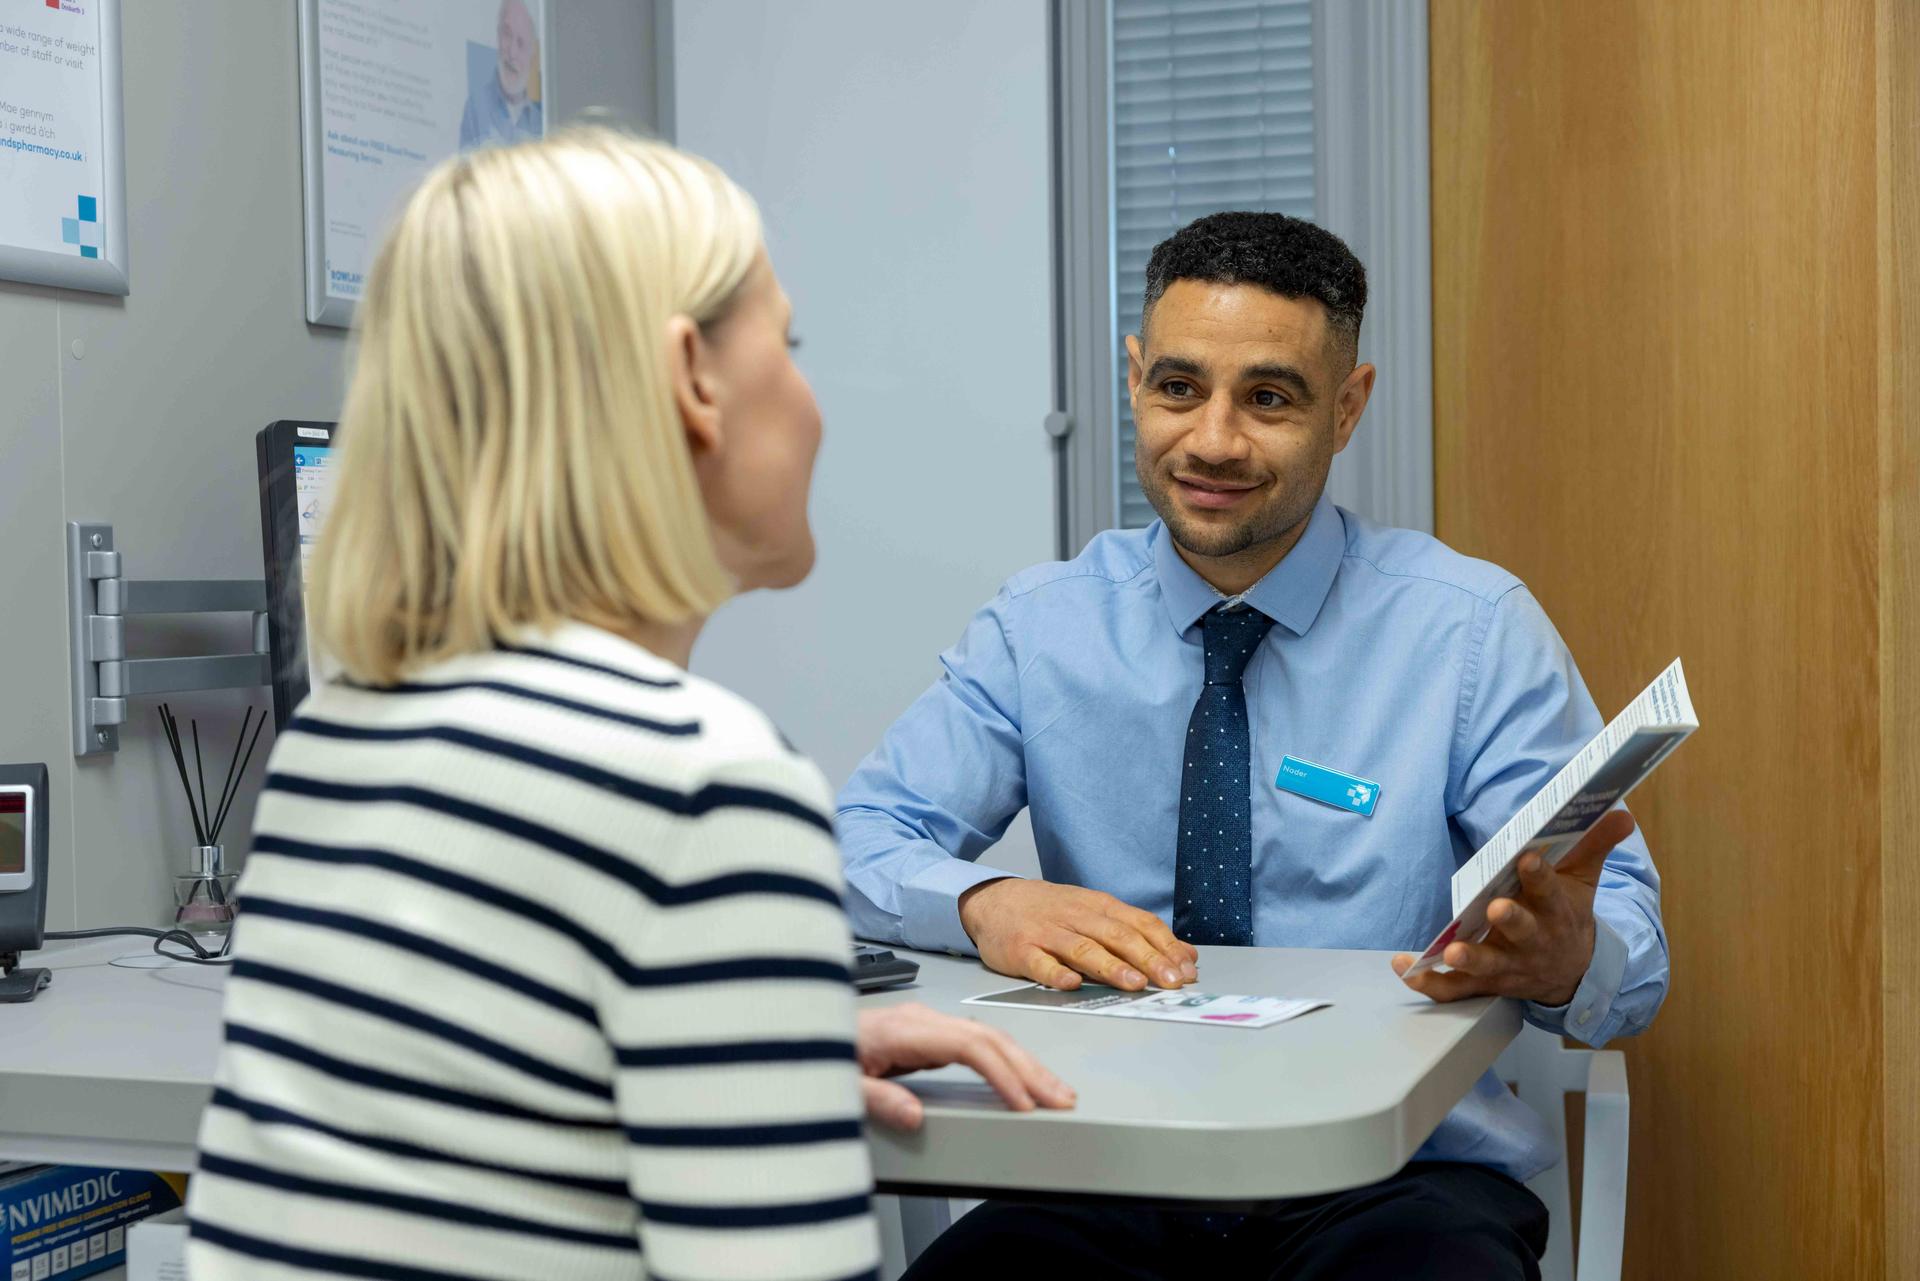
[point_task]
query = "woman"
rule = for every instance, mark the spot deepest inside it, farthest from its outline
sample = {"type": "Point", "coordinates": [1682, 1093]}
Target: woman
{"type": "Point", "coordinates": [544, 970]}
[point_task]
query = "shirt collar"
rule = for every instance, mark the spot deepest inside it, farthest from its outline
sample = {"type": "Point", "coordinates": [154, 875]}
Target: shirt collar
{"type": "Point", "coordinates": [1292, 592]}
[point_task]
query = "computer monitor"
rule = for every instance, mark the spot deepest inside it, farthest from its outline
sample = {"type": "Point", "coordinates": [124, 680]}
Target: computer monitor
{"type": "Point", "coordinates": [296, 488]}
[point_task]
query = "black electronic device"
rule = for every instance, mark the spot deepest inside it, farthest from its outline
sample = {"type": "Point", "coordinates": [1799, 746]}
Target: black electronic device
{"type": "Point", "coordinates": [297, 462]}
{"type": "Point", "coordinates": [876, 967]}
{"type": "Point", "coordinates": [24, 816]}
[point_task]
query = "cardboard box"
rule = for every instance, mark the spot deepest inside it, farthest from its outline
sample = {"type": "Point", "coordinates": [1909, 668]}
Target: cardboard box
{"type": "Point", "coordinates": [64, 1222]}
{"type": "Point", "coordinates": [157, 1248]}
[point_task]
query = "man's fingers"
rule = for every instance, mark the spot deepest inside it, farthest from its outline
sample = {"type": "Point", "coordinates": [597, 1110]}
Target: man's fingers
{"type": "Point", "coordinates": [891, 1104]}
{"type": "Point", "coordinates": [1614, 826]}
{"type": "Point", "coordinates": [1458, 985]}
{"type": "Point", "coordinates": [1085, 954]}
{"type": "Point", "coordinates": [1537, 880]}
{"type": "Point", "coordinates": [1156, 930]}
{"type": "Point", "coordinates": [1439, 985]}
{"type": "Point", "coordinates": [1541, 884]}
{"type": "Point", "coordinates": [1515, 923]}
{"type": "Point", "coordinates": [1183, 955]}
{"type": "Point", "coordinates": [1042, 968]}
{"type": "Point", "coordinates": [1476, 959]}
{"type": "Point", "coordinates": [1179, 951]}
{"type": "Point", "coordinates": [1139, 951]}
{"type": "Point", "coordinates": [1082, 930]}
{"type": "Point", "coordinates": [1446, 987]}
{"type": "Point", "coordinates": [1584, 860]}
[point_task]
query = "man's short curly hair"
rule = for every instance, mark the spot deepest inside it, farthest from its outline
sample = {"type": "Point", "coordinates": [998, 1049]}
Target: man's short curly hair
{"type": "Point", "coordinates": [1288, 256]}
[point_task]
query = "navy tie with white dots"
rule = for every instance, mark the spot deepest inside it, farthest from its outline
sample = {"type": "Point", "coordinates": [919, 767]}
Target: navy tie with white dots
{"type": "Point", "coordinates": [1213, 879]}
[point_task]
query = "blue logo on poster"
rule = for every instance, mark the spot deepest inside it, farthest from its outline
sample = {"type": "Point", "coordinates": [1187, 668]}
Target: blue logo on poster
{"type": "Point", "coordinates": [83, 232]}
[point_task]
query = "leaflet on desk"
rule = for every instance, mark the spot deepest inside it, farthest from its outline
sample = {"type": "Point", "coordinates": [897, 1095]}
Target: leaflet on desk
{"type": "Point", "coordinates": [1552, 823]}
{"type": "Point", "coordinates": [1182, 1005]}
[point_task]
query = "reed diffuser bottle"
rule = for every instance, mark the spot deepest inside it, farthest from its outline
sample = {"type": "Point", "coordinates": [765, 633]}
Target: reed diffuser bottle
{"type": "Point", "coordinates": [203, 897]}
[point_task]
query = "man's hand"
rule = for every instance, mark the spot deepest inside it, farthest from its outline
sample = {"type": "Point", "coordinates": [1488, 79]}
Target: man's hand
{"type": "Point", "coordinates": [1542, 942]}
{"type": "Point", "coordinates": [1053, 934]}
{"type": "Point", "coordinates": [906, 1038]}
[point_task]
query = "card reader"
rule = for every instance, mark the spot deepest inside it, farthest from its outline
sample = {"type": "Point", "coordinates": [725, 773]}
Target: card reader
{"type": "Point", "coordinates": [23, 878]}
{"type": "Point", "coordinates": [875, 967]}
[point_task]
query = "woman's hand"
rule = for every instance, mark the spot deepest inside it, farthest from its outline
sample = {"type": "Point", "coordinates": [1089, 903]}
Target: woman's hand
{"type": "Point", "coordinates": [906, 1038]}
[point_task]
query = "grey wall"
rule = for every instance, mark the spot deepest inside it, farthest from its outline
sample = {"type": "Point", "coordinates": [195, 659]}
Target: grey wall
{"type": "Point", "coordinates": [899, 153]}
{"type": "Point", "coordinates": [141, 411]}
{"type": "Point", "coordinates": [605, 56]}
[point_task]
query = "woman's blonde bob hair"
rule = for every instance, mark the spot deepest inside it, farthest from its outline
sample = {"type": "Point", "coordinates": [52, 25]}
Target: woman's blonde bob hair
{"type": "Point", "coordinates": [512, 454]}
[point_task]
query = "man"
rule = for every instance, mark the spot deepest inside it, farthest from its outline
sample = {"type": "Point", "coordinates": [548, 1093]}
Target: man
{"type": "Point", "coordinates": [1139, 701]}
{"type": "Point", "coordinates": [503, 109]}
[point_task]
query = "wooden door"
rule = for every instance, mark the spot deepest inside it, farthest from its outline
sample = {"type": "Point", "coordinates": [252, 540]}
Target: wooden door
{"type": "Point", "coordinates": [1669, 395]}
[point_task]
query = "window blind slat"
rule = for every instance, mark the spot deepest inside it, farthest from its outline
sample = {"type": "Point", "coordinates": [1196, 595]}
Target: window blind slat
{"type": "Point", "coordinates": [1182, 53]}
{"type": "Point", "coordinates": [1133, 27]}
{"type": "Point", "coordinates": [1195, 57]}
{"type": "Point", "coordinates": [1137, 167]}
{"type": "Point", "coordinates": [1176, 105]}
{"type": "Point", "coordinates": [1200, 197]}
{"type": "Point", "coordinates": [1277, 135]}
{"type": "Point", "coordinates": [1212, 110]}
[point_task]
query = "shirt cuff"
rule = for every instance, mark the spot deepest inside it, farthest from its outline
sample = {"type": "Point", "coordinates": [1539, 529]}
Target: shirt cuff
{"type": "Point", "coordinates": [1583, 1017]}
{"type": "Point", "coordinates": [930, 905]}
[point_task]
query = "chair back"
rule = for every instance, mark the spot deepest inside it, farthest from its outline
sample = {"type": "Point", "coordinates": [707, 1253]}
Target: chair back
{"type": "Point", "coordinates": [1542, 1071]}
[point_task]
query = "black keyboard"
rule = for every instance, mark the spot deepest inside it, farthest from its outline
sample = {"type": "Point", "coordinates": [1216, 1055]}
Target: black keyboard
{"type": "Point", "coordinates": [875, 967]}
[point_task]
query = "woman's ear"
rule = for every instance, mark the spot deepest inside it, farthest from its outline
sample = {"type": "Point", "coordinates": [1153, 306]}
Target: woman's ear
{"type": "Point", "coordinates": [695, 383]}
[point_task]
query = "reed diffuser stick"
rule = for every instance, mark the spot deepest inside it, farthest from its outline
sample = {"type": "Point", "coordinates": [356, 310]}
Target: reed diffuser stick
{"type": "Point", "coordinates": [226, 802]}
{"type": "Point", "coordinates": [172, 729]}
{"type": "Point", "coordinates": [219, 810]}
{"type": "Point", "coordinates": [199, 769]}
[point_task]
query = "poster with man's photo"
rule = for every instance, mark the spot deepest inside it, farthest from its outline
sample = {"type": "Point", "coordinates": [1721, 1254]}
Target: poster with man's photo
{"type": "Point", "coordinates": [388, 91]}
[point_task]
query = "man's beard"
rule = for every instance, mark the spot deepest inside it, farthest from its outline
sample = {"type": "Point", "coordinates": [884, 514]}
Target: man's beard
{"type": "Point", "coordinates": [1291, 502]}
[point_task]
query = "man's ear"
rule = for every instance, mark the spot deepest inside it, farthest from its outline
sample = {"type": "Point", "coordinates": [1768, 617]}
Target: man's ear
{"type": "Point", "coordinates": [1350, 403]}
{"type": "Point", "coordinates": [1136, 367]}
{"type": "Point", "coordinates": [695, 384]}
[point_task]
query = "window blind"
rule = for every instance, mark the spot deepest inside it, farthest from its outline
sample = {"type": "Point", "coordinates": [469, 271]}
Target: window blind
{"type": "Point", "coordinates": [1212, 110]}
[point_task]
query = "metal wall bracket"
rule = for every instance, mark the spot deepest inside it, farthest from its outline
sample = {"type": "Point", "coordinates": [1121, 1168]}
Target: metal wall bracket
{"type": "Point", "coordinates": [99, 598]}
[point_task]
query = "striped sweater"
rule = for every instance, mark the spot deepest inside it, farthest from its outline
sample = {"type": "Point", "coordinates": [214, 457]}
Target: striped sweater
{"type": "Point", "coordinates": [541, 973]}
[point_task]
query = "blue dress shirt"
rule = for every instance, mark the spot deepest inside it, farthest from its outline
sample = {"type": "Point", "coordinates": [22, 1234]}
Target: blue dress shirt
{"type": "Point", "coordinates": [1392, 658]}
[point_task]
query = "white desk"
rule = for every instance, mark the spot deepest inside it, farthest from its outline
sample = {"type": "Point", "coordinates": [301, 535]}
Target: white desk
{"type": "Point", "coordinates": [109, 1066]}
{"type": "Point", "coordinates": [113, 1067]}
{"type": "Point", "coordinates": [1335, 1099]}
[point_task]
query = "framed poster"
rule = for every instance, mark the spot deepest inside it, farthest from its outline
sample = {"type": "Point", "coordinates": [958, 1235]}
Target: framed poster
{"type": "Point", "coordinates": [63, 197]}
{"type": "Point", "coordinates": [386, 92]}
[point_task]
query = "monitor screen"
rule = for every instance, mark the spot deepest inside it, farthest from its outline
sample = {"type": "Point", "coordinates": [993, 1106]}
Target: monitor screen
{"type": "Point", "coordinates": [313, 493]}
{"type": "Point", "coordinates": [298, 469]}
{"type": "Point", "coordinates": [13, 833]}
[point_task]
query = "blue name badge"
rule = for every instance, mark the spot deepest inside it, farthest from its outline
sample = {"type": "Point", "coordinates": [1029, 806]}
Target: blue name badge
{"type": "Point", "coordinates": [1329, 787]}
